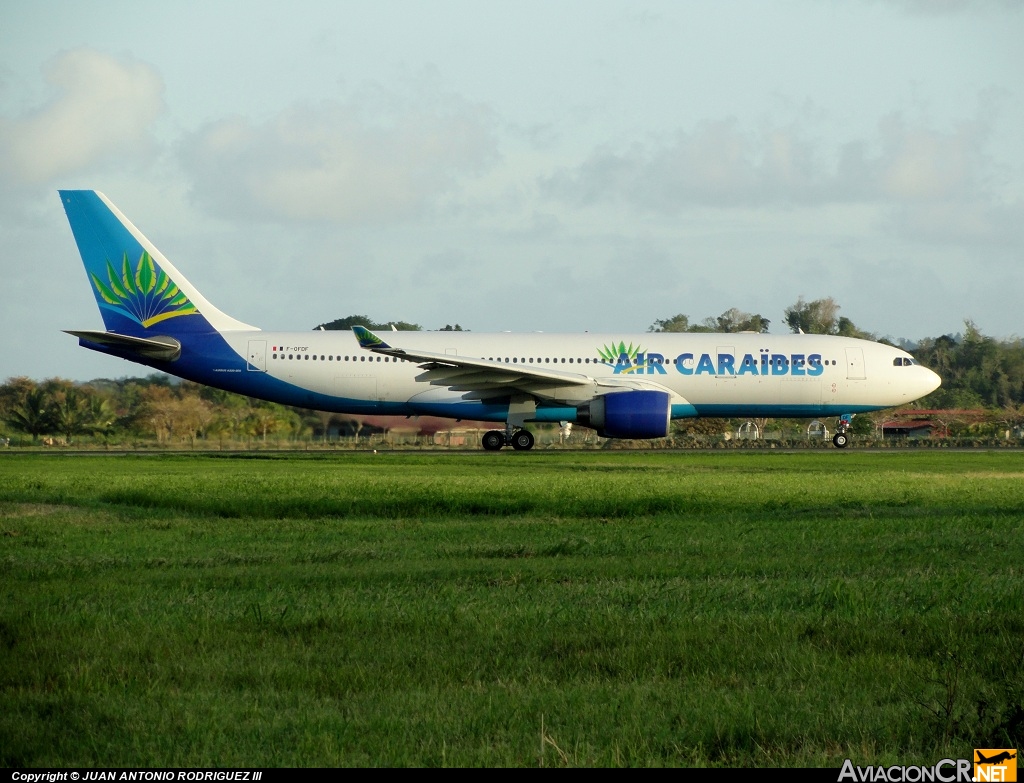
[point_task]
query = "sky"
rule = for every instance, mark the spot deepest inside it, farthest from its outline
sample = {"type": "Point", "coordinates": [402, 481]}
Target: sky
{"type": "Point", "coordinates": [533, 166]}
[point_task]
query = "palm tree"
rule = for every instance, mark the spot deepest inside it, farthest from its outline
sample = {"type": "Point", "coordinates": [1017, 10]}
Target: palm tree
{"type": "Point", "coordinates": [71, 415]}
{"type": "Point", "coordinates": [264, 420]}
{"type": "Point", "coordinates": [31, 415]}
{"type": "Point", "coordinates": [100, 416]}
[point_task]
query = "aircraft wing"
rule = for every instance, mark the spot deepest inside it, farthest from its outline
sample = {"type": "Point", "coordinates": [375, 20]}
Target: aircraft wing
{"type": "Point", "coordinates": [484, 378]}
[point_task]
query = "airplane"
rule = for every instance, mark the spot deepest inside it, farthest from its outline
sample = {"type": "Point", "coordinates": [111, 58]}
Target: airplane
{"type": "Point", "coordinates": [622, 386]}
{"type": "Point", "coordinates": [1004, 756]}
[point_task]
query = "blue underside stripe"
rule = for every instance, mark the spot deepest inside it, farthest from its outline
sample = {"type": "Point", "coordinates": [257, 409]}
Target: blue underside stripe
{"type": "Point", "coordinates": [804, 411]}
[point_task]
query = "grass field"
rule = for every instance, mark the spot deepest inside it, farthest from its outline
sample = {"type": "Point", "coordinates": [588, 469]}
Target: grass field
{"type": "Point", "coordinates": [742, 608]}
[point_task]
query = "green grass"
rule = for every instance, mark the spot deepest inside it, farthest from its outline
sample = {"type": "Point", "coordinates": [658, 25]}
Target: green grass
{"type": "Point", "coordinates": [510, 609]}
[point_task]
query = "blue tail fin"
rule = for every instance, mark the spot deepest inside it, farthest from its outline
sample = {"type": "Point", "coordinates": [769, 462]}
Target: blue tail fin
{"type": "Point", "coordinates": [139, 292]}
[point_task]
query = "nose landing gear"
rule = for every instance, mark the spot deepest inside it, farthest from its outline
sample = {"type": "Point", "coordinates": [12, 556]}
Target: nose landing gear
{"type": "Point", "coordinates": [841, 440]}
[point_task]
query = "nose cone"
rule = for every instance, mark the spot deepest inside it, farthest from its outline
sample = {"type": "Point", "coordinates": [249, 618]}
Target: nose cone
{"type": "Point", "coordinates": [930, 381]}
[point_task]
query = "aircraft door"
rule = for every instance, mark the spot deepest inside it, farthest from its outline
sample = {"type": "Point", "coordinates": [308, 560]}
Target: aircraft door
{"type": "Point", "coordinates": [257, 356]}
{"type": "Point", "coordinates": [855, 364]}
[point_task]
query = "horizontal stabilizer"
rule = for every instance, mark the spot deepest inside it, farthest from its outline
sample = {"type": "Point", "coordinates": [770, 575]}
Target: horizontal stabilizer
{"type": "Point", "coordinates": [161, 348]}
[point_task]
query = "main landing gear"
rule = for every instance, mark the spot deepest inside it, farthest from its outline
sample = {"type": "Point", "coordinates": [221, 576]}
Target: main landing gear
{"type": "Point", "coordinates": [841, 440]}
{"type": "Point", "coordinates": [519, 439]}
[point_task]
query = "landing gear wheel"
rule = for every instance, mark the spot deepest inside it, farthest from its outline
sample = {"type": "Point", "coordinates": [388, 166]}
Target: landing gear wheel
{"type": "Point", "coordinates": [493, 440]}
{"type": "Point", "coordinates": [522, 440]}
{"type": "Point", "coordinates": [840, 440]}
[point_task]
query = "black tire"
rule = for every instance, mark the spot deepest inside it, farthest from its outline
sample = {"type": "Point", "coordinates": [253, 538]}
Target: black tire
{"type": "Point", "coordinates": [840, 440]}
{"type": "Point", "coordinates": [522, 440]}
{"type": "Point", "coordinates": [493, 440]}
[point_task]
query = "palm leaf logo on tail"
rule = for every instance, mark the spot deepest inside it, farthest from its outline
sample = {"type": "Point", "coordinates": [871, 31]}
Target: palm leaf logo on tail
{"type": "Point", "coordinates": [145, 294]}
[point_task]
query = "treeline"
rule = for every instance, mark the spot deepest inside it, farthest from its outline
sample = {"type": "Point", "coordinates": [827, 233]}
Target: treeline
{"type": "Point", "coordinates": [979, 373]}
{"type": "Point", "coordinates": [156, 407]}
{"type": "Point", "coordinates": [344, 324]}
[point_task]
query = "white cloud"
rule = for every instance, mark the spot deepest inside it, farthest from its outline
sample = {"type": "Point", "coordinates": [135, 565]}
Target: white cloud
{"type": "Point", "coordinates": [102, 107]}
{"type": "Point", "coordinates": [913, 164]}
{"type": "Point", "coordinates": [972, 225]}
{"type": "Point", "coordinates": [943, 7]}
{"type": "Point", "coordinates": [331, 163]}
{"type": "Point", "coordinates": [717, 164]}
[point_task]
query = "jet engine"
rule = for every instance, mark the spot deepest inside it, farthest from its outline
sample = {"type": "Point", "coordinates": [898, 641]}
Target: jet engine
{"type": "Point", "coordinates": [628, 414]}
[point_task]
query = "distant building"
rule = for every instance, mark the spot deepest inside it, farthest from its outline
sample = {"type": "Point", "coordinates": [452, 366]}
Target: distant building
{"type": "Point", "coordinates": [925, 423]}
{"type": "Point", "coordinates": [913, 428]}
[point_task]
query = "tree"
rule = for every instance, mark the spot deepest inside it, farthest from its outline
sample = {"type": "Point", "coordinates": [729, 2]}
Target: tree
{"type": "Point", "coordinates": [157, 411]}
{"type": "Point", "coordinates": [191, 416]}
{"type": "Point", "coordinates": [700, 428]}
{"type": "Point", "coordinates": [846, 328]}
{"type": "Point", "coordinates": [732, 320]}
{"type": "Point", "coordinates": [817, 317]}
{"type": "Point", "coordinates": [31, 416]}
{"type": "Point", "coordinates": [264, 421]}
{"type": "Point", "coordinates": [346, 324]}
{"type": "Point", "coordinates": [735, 320]}
{"type": "Point", "coordinates": [677, 323]}
{"type": "Point", "coordinates": [13, 393]}
{"type": "Point", "coordinates": [220, 426]}
{"type": "Point", "coordinates": [71, 413]}
{"type": "Point", "coordinates": [100, 415]}
{"type": "Point", "coordinates": [1010, 416]}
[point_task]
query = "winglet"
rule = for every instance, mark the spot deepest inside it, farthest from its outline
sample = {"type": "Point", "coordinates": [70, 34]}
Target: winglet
{"type": "Point", "coordinates": [369, 340]}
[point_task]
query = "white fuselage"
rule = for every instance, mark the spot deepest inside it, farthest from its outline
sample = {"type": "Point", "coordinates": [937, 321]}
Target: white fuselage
{"type": "Point", "coordinates": [707, 374]}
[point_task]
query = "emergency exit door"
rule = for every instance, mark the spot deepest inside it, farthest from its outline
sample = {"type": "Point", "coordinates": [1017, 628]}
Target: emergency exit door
{"type": "Point", "coordinates": [855, 364]}
{"type": "Point", "coordinates": [257, 358]}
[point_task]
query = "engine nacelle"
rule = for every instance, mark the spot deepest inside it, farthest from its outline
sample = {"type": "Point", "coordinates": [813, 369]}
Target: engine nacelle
{"type": "Point", "coordinates": [629, 414]}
